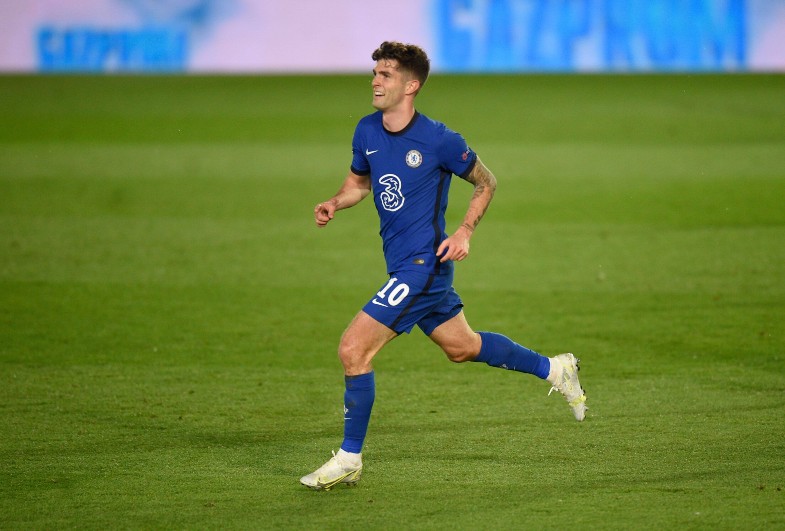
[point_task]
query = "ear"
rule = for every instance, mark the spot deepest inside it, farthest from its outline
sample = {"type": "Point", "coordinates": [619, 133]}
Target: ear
{"type": "Point", "coordinates": [412, 86]}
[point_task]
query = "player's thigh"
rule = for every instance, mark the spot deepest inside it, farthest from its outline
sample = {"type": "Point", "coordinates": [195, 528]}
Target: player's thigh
{"type": "Point", "coordinates": [457, 339]}
{"type": "Point", "coordinates": [362, 339]}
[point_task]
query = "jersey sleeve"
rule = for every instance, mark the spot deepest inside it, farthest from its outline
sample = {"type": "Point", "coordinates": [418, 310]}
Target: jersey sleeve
{"type": "Point", "coordinates": [455, 154]}
{"type": "Point", "coordinates": [360, 164]}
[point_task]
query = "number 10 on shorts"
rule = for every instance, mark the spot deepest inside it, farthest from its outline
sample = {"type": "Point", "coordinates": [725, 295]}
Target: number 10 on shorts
{"type": "Point", "coordinates": [398, 293]}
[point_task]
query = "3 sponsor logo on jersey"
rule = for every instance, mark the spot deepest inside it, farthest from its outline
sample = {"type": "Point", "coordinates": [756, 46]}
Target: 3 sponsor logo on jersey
{"type": "Point", "coordinates": [392, 196]}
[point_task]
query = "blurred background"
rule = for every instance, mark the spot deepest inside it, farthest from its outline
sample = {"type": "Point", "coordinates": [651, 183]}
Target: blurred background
{"type": "Point", "coordinates": [280, 36]}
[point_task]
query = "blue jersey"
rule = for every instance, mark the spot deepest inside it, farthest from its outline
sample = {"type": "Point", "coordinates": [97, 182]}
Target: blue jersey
{"type": "Point", "coordinates": [410, 173]}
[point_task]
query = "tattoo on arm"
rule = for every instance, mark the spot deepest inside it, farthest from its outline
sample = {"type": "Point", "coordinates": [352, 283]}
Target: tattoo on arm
{"type": "Point", "coordinates": [484, 187]}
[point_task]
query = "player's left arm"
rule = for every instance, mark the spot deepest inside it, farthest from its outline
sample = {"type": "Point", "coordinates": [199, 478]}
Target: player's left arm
{"type": "Point", "coordinates": [456, 246]}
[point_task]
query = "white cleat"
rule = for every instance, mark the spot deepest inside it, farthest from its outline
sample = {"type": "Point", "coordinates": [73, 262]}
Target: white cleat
{"type": "Point", "coordinates": [333, 472]}
{"type": "Point", "coordinates": [566, 382]}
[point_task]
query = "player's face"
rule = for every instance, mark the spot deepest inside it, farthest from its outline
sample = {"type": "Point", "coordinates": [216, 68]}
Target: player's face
{"type": "Point", "coordinates": [389, 85]}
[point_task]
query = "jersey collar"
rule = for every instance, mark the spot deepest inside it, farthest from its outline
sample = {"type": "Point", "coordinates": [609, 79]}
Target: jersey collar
{"type": "Point", "coordinates": [405, 129]}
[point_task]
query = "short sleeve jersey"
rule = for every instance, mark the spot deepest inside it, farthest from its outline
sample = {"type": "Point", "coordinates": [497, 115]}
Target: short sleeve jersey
{"type": "Point", "coordinates": [410, 173]}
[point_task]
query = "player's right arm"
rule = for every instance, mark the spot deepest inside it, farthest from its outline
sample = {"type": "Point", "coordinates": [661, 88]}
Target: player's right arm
{"type": "Point", "coordinates": [354, 189]}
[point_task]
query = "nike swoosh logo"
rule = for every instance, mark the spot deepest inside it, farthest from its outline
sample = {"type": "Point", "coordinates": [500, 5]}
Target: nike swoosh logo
{"type": "Point", "coordinates": [367, 152]}
{"type": "Point", "coordinates": [325, 484]}
{"type": "Point", "coordinates": [379, 303]}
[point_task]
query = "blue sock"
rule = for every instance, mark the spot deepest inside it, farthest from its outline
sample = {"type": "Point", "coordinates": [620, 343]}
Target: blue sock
{"type": "Point", "coordinates": [500, 351]}
{"type": "Point", "coordinates": [357, 404]}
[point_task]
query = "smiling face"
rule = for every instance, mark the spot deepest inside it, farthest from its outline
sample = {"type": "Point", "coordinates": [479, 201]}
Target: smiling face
{"type": "Point", "coordinates": [392, 87]}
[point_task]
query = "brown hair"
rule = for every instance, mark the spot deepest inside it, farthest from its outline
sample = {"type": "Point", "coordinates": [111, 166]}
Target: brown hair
{"type": "Point", "coordinates": [410, 57]}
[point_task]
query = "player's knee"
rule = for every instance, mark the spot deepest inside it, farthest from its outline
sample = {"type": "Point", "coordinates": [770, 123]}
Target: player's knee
{"type": "Point", "coordinates": [346, 354]}
{"type": "Point", "coordinates": [351, 355]}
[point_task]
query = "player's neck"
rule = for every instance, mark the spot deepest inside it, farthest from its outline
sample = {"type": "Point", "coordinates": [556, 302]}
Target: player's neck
{"type": "Point", "coordinates": [395, 120]}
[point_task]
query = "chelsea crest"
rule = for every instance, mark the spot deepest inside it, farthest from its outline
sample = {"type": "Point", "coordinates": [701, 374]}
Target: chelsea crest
{"type": "Point", "coordinates": [413, 158]}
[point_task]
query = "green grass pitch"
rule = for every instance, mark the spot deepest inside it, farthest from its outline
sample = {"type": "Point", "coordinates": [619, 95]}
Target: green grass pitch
{"type": "Point", "coordinates": [169, 313]}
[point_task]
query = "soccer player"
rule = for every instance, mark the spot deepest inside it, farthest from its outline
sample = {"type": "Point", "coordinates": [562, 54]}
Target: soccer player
{"type": "Point", "coordinates": [406, 160]}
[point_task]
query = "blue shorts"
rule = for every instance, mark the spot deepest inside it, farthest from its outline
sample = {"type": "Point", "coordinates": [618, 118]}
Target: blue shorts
{"type": "Point", "coordinates": [411, 298]}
